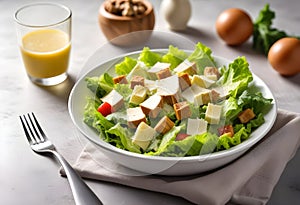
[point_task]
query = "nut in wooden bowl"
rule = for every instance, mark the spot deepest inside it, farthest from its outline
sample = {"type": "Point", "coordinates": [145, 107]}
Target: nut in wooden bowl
{"type": "Point", "coordinates": [119, 17]}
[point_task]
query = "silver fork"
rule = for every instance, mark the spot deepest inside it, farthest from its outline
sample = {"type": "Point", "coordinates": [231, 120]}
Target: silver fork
{"type": "Point", "coordinates": [41, 144]}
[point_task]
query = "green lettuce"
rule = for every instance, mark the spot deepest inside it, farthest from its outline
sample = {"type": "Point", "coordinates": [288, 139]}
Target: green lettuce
{"type": "Point", "coordinates": [226, 142]}
{"type": "Point", "coordinates": [118, 117]}
{"type": "Point", "coordinates": [149, 57]}
{"type": "Point", "coordinates": [174, 56]}
{"type": "Point", "coordinates": [236, 77]}
{"type": "Point", "coordinates": [258, 121]}
{"type": "Point", "coordinates": [125, 66]}
{"type": "Point", "coordinates": [190, 146]}
{"type": "Point", "coordinates": [168, 138]}
{"type": "Point", "coordinates": [202, 56]}
{"type": "Point", "coordinates": [120, 137]}
{"type": "Point", "coordinates": [248, 99]}
{"type": "Point", "coordinates": [254, 100]}
{"type": "Point", "coordinates": [231, 109]}
{"type": "Point", "coordinates": [100, 86]}
{"type": "Point", "coordinates": [241, 133]}
{"type": "Point", "coordinates": [95, 119]}
{"type": "Point", "coordinates": [264, 35]}
{"type": "Point", "coordinates": [124, 90]}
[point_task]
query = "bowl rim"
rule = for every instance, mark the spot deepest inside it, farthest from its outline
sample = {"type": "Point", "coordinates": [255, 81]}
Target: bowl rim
{"type": "Point", "coordinates": [188, 159]}
{"type": "Point", "coordinates": [104, 13]}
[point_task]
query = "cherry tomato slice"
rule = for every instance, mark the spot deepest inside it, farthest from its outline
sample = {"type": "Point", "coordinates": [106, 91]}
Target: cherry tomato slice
{"type": "Point", "coordinates": [105, 109]}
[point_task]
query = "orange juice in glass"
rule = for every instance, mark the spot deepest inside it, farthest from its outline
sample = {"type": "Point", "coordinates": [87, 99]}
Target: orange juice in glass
{"type": "Point", "coordinates": [44, 36]}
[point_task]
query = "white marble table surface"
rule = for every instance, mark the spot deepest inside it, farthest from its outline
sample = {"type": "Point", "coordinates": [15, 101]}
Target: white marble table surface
{"type": "Point", "coordinates": [28, 178]}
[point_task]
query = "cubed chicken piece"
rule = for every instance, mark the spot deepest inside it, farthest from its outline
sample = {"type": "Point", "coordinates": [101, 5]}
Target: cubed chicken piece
{"type": "Point", "coordinates": [186, 67]}
{"type": "Point", "coordinates": [202, 98]}
{"type": "Point", "coordinates": [143, 135]}
{"type": "Point", "coordinates": [213, 113]}
{"type": "Point", "coordinates": [164, 125]}
{"type": "Point", "coordinates": [114, 99]}
{"type": "Point", "coordinates": [152, 106]}
{"type": "Point", "coordinates": [163, 73]}
{"type": "Point", "coordinates": [212, 73]}
{"type": "Point", "coordinates": [196, 126]}
{"type": "Point", "coordinates": [184, 81]}
{"type": "Point", "coordinates": [202, 81]}
{"type": "Point", "coordinates": [182, 110]}
{"type": "Point", "coordinates": [206, 96]}
{"type": "Point", "coordinates": [135, 116]}
{"type": "Point", "coordinates": [120, 79]}
{"type": "Point", "coordinates": [215, 96]}
{"type": "Point", "coordinates": [158, 67]}
{"type": "Point", "coordinates": [137, 80]}
{"type": "Point", "coordinates": [138, 95]}
{"type": "Point", "coordinates": [170, 99]}
{"type": "Point", "coordinates": [246, 115]}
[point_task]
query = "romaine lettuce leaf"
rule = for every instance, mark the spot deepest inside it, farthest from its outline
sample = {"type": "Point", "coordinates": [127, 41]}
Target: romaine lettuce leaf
{"type": "Point", "coordinates": [202, 57]}
{"type": "Point", "coordinates": [100, 86]}
{"type": "Point", "coordinates": [236, 77]}
{"type": "Point", "coordinates": [204, 144]}
{"type": "Point", "coordinates": [105, 78]}
{"type": "Point", "coordinates": [118, 117]}
{"type": "Point", "coordinates": [174, 56]}
{"type": "Point", "coordinates": [231, 109]}
{"type": "Point", "coordinates": [168, 138]}
{"type": "Point", "coordinates": [124, 90]}
{"type": "Point", "coordinates": [95, 119]}
{"type": "Point", "coordinates": [256, 122]}
{"type": "Point", "coordinates": [255, 101]}
{"type": "Point", "coordinates": [226, 142]}
{"type": "Point", "coordinates": [125, 66]}
{"type": "Point", "coordinates": [121, 138]}
{"type": "Point", "coordinates": [149, 57]}
{"type": "Point", "coordinates": [242, 133]}
{"type": "Point", "coordinates": [190, 146]}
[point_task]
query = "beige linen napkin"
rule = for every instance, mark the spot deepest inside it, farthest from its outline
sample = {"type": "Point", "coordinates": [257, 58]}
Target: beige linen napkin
{"type": "Point", "coordinates": [248, 180]}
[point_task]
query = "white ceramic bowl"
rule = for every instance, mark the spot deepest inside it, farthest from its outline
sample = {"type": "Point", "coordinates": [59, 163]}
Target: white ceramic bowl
{"type": "Point", "coordinates": [156, 164]}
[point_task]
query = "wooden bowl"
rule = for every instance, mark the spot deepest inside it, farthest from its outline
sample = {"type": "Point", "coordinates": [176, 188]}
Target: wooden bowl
{"type": "Point", "coordinates": [114, 26]}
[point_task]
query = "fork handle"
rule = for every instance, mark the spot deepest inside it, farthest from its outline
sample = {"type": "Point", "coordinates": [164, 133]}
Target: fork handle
{"type": "Point", "coordinates": [83, 195]}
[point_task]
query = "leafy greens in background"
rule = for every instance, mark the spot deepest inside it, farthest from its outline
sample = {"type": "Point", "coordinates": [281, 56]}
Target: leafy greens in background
{"type": "Point", "coordinates": [264, 35]}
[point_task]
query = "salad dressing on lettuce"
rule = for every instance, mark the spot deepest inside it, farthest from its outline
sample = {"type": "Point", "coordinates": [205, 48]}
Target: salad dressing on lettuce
{"type": "Point", "coordinates": [175, 104]}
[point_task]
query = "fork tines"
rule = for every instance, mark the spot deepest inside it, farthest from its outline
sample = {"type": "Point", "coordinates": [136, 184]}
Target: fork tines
{"type": "Point", "coordinates": [32, 128]}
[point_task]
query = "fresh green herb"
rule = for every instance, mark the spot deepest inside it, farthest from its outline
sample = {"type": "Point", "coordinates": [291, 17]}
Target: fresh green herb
{"type": "Point", "coordinates": [264, 35]}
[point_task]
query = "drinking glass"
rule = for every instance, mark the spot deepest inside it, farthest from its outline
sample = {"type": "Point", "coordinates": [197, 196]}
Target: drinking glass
{"type": "Point", "coordinates": [44, 38]}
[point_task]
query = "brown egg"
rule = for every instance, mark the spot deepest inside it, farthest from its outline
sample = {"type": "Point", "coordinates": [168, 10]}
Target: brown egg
{"type": "Point", "coordinates": [284, 56]}
{"type": "Point", "coordinates": [234, 26]}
